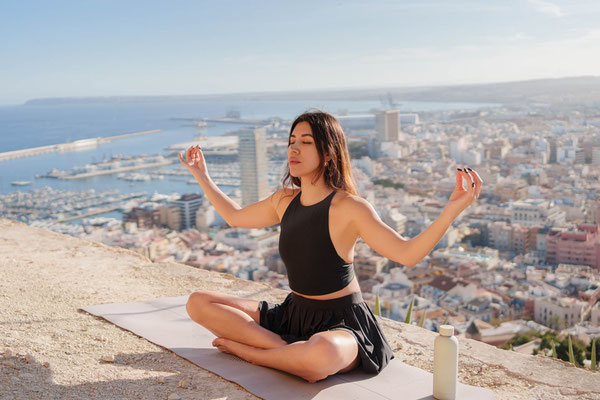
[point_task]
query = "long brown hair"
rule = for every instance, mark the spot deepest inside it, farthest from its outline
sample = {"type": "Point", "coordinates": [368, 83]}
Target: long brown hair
{"type": "Point", "coordinates": [329, 138]}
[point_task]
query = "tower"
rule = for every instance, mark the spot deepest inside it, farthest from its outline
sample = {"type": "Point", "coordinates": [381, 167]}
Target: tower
{"type": "Point", "coordinates": [252, 150]}
{"type": "Point", "coordinates": [387, 123]}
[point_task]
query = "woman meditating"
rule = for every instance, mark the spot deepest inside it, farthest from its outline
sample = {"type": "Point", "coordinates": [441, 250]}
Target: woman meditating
{"type": "Point", "coordinates": [323, 327]}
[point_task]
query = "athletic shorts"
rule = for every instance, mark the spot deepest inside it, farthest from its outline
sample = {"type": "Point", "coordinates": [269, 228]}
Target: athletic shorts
{"type": "Point", "coordinates": [298, 318]}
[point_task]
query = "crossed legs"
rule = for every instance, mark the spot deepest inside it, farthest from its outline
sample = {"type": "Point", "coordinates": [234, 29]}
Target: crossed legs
{"type": "Point", "coordinates": [235, 322]}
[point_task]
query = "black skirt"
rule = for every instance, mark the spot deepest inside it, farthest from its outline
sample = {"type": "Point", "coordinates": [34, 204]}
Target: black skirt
{"type": "Point", "coordinates": [298, 318]}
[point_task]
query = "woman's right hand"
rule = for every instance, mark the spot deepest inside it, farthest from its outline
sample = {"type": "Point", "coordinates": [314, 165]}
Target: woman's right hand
{"type": "Point", "coordinates": [194, 160]}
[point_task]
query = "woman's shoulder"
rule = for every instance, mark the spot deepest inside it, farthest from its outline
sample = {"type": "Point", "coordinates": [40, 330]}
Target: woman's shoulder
{"type": "Point", "coordinates": [286, 192]}
{"type": "Point", "coordinates": [348, 202]}
{"type": "Point", "coordinates": [283, 194]}
{"type": "Point", "coordinates": [352, 207]}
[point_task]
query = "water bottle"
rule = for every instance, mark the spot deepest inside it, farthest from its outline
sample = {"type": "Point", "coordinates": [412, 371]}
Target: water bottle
{"type": "Point", "coordinates": [445, 364]}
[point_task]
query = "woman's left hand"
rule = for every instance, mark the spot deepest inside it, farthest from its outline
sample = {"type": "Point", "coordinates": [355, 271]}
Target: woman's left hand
{"type": "Point", "coordinates": [461, 198]}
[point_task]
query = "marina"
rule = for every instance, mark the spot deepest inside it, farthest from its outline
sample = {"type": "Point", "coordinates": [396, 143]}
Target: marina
{"type": "Point", "coordinates": [57, 206]}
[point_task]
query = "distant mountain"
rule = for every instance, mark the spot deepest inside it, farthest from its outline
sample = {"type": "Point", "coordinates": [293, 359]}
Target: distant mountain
{"type": "Point", "coordinates": [574, 90]}
{"type": "Point", "coordinates": [584, 89]}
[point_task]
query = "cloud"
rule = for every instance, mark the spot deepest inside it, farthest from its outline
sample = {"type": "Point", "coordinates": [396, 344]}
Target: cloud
{"type": "Point", "coordinates": [546, 7]}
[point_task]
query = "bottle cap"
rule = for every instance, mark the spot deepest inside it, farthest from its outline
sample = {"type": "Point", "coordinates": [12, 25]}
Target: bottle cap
{"type": "Point", "coordinates": [446, 330]}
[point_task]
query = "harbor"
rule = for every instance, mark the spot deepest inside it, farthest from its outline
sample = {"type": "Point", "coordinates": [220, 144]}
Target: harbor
{"type": "Point", "coordinates": [53, 206]}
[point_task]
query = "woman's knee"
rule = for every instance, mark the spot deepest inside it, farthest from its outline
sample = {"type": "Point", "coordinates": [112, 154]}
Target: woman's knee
{"type": "Point", "coordinates": [196, 300]}
{"type": "Point", "coordinates": [322, 356]}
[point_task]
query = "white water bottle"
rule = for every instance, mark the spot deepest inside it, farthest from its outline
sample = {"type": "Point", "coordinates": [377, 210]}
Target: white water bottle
{"type": "Point", "coordinates": [445, 364]}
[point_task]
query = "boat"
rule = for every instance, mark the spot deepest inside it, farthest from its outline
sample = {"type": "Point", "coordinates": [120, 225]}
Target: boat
{"type": "Point", "coordinates": [21, 183]}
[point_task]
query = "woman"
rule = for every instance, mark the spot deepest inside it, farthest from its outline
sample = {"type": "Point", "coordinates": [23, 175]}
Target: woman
{"type": "Point", "coordinates": [323, 327]}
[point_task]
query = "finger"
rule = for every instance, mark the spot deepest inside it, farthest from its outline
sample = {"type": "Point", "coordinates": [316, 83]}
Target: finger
{"type": "Point", "coordinates": [189, 153]}
{"type": "Point", "coordinates": [470, 183]}
{"type": "Point", "coordinates": [464, 175]}
{"type": "Point", "coordinates": [184, 162]}
{"type": "Point", "coordinates": [459, 179]}
{"type": "Point", "coordinates": [478, 182]}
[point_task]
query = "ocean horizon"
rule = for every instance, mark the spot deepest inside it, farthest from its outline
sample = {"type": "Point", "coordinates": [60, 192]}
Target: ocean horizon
{"type": "Point", "coordinates": [33, 126]}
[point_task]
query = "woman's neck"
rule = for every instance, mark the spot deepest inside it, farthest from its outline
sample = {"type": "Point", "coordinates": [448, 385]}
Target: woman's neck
{"type": "Point", "coordinates": [312, 193]}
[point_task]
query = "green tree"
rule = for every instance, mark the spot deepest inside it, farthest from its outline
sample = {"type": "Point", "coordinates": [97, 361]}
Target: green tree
{"type": "Point", "coordinates": [519, 339]}
{"type": "Point", "coordinates": [562, 350]}
{"type": "Point", "coordinates": [547, 339]}
{"type": "Point", "coordinates": [388, 183]}
{"type": "Point", "coordinates": [358, 149]}
{"type": "Point", "coordinates": [556, 323]}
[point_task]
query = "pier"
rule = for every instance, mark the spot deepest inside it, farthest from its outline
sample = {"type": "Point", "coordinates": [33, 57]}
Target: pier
{"type": "Point", "coordinates": [111, 171]}
{"type": "Point", "coordinates": [231, 120]}
{"type": "Point", "coordinates": [69, 146]}
{"type": "Point", "coordinates": [87, 214]}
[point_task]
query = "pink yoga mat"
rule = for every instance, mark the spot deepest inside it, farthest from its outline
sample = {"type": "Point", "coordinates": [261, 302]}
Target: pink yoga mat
{"type": "Point", "coordinates": [166, 323]}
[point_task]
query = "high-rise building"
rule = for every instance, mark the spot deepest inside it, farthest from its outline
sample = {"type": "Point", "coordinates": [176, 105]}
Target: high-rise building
{"type": "Point", "coordinates": [188, 204]}
{"type": "Point", "coordinates": [387, 124]}
{"type": "Point", "coordinates": [252, 149]}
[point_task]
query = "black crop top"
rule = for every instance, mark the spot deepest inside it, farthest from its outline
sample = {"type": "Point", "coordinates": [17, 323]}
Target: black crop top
{"type": "Point", "coordinates": [313, 265]}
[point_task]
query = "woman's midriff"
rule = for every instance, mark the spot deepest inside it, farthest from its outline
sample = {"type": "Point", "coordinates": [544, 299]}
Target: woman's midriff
{"type": "Point", "coordinates": [352, 287]}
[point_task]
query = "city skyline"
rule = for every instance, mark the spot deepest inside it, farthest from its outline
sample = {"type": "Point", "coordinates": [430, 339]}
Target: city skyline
{"type": "Point", "coordinates": [68, 49]}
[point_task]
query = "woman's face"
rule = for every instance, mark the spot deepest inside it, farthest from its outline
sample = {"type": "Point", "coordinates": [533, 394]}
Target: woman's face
{"type": "Point", "coordinates": [303, 157]}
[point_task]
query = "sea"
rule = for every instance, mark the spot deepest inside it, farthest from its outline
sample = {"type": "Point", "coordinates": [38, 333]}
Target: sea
{"type": "Point", "coordinates": [27, 126]}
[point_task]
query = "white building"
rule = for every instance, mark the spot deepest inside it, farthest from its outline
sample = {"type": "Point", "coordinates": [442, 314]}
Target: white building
{"type": "Point", "coordinates": [207, 216]}
{"type": "Point", "coordinates": [409, 119]}
{"type": "Point", "coordinates": [531, 212]}
{"type": "Point", "coordinates": [356, 121]}
{"type": "Point", "coordinates": [395, 220]}
{"type": "Point", "coordinates": [366, 165]}
{"type": "Point", "coordinates": [247, 239]}
{"type": "Point", "coordinates": [566, 155]}
{"type": "Point", "coordinates": [253, 165]}
{"type": "Point", "coordinates": [595, 315]}
{"type": "Point", "coordinates": [471, 157]}
{"type": "Point", "coordinates": [569, 311]}
{"type": "Point", "coordinates": [457, 147]}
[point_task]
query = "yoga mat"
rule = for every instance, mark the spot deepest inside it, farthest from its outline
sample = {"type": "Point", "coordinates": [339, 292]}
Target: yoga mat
{"type": "Point", "coordinates": [165, 322]}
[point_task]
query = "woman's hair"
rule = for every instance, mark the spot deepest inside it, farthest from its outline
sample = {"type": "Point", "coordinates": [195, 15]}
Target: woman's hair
{"type": "Point", "coordinates": [329, 138]}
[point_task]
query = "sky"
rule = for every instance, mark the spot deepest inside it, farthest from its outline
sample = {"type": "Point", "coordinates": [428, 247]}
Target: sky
{"type": "Point", "coordinates": [122, 48]}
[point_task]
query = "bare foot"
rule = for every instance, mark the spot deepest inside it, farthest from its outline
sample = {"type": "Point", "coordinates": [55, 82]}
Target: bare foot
{"type": "Point", "coordinates": [241, 350]}
{"type": "Point", "coordinates": [232, 347]}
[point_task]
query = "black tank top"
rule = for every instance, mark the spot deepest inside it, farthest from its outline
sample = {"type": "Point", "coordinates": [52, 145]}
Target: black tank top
{"type": "Point", "coordinates": [313, 265]}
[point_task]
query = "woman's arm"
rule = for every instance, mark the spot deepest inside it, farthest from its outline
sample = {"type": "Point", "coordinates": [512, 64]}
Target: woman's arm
{"type": "Point", "coordinates": [387, 242]}
{"type": "Point", "coordinates": [258, 215]}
